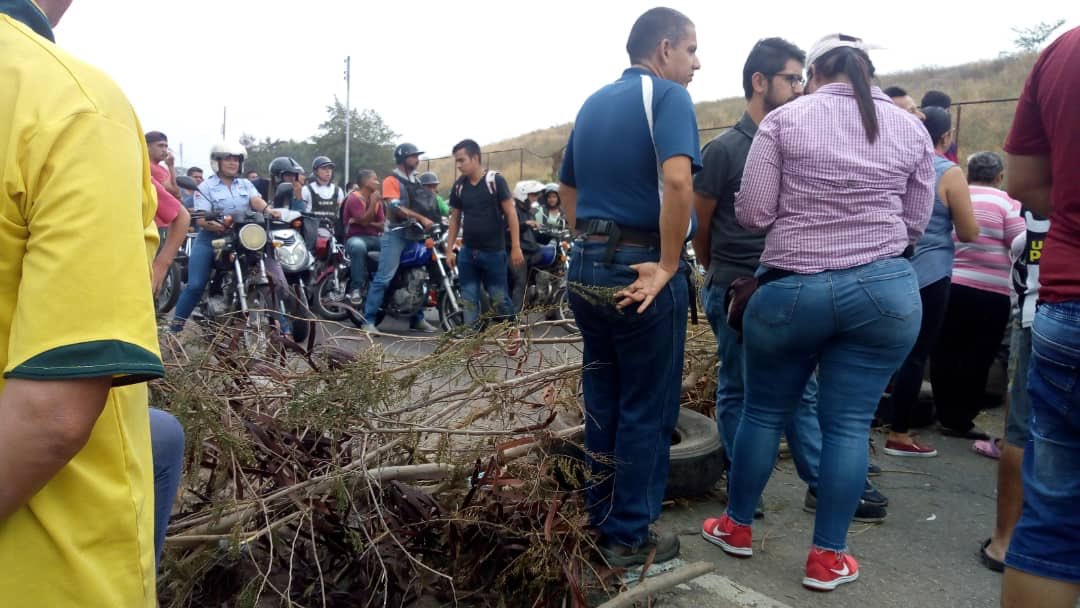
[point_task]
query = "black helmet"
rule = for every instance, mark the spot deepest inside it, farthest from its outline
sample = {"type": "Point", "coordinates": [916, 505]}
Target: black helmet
{"type": "Point", "coordinates": [429, 179]}
{"type": "Point", "coordinates": [404, 151]}
{"type": "Point", "coordinates": [321, 161]}
{"type": "Point", "coordinates": [284, 164]}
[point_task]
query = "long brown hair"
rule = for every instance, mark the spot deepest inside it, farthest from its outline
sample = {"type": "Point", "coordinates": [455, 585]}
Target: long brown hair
{"type": "Point", "coordinates": [856, 65]}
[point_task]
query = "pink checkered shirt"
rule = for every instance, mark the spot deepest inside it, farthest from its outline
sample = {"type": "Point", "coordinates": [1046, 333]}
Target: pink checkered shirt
{"type": "Point", "coordinates": [829, 199]}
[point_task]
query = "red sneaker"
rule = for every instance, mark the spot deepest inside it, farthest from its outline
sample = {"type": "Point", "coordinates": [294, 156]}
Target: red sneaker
{"type": "Point", "coordinates": [827, 570]}
{"type": "Point", "coordinates": [733, 538]}
{"type": "Point", "coordinates": [915, 449]}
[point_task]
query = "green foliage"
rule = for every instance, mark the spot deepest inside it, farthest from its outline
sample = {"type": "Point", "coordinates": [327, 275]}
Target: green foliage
{"type": "Point", "coordinates": [1030, 39]}
{"type": "Point", "coordinates": [371, 144]}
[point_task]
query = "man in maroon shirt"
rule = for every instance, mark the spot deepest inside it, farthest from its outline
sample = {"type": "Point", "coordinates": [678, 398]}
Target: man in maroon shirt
{"type": "Point", "coordinates": [364, 219]}
{"type": "Point", "coordinates": [1043, 562]}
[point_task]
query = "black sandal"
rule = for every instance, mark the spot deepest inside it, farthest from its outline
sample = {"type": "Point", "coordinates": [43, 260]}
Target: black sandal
{"type": "Point", "coordinates": [991, 563]}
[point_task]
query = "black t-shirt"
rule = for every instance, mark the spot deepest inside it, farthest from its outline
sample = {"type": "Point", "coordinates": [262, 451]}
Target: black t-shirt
{"type": "Point", "coordinates": [481, 212]}
{"type": "Point", "coordinates": [735, 251]}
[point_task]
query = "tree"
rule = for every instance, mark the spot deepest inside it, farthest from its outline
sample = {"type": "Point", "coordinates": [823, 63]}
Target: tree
{"type": "Point", "coordinates": [1030, 39]}
{"type": "Point", "coordinates": [371, 144]}
{"type": "Point", "coordinates": [371, 140]}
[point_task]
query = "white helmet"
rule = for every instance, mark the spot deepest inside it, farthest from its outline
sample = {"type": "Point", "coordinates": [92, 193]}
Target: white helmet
{"type": "Point", "coordinates": [223, 149]}
{"type": "Point", "coordinates": [523, 189]}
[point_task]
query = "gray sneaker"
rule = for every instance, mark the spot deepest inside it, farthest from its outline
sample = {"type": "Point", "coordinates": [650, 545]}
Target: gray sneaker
{"type": "Point", "coordinates": [423, 326]}
{"type": "Point", "coordinates": [622, 556]}
{"type": "Point", "coordinates": [369, 327]}
{"type": "Point", "coordinates": [356, 297]}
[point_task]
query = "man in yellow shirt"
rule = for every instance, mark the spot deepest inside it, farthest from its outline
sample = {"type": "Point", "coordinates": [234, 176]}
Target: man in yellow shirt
{"type": "Point", "coordinates": [77, 332]}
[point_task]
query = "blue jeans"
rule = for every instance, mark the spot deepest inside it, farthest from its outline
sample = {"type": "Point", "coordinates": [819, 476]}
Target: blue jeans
{"type": "Point", "coordinates": [802, 430]}
{"type": "Point", "coordinates": [199, 266]}
{"type": "Point", "coordinates": [391, 244]}
{"type": "Point", "coordinates": [167, 445]}
{"type": "Point", "coordinates": [632, 372]}
{"type": "Point", "coordinates": [1046, 542]}
{"type": "Point", "coordinates": [358, 248]}
{"type": "Point", "coordinates": [489, 268]}
{"type": "Point", "coordinates": [854, 326]}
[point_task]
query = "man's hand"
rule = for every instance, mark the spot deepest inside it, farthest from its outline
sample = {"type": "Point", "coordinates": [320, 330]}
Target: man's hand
{"type": "Point", "coordinates": [275, 213]}
{"type": "Point", "coordinates": [652, 278]}
{"type": "Point", "coordinates": [451, 258]}
{"type": "Point", "coordinates": [213, 226]}
{"type": "Point", "coordinates": [532, 224]}
{"type": "Point", "coordinates": [517, 258]}
{"type": "Point", "coordinates": [426, 223]}
{"type": "Point", "coordinates": [170, 160]}
{"type": "Point", "coordinates": [160, 271]}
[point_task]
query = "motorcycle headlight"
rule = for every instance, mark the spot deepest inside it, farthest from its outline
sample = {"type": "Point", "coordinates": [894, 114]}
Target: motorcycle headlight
{"type": "Point", "coordinates": [253, 237]}
{"type": "Point", "coordinates": [293, 258]}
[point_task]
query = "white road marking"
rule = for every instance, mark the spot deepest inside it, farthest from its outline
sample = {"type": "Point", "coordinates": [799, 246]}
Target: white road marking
{"type": "Point", "coordinates": [740, 595]}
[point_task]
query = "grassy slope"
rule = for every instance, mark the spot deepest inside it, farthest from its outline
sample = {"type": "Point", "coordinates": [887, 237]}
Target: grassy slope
{"type": "Point", "coordinates": [982, 127]}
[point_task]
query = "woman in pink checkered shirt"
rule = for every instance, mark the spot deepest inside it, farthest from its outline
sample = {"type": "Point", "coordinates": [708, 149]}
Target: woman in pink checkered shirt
{"type": "Point", "coordinates": [841, 182]}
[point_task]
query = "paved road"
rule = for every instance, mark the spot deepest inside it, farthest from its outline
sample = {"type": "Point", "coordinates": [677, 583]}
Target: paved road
{"type": "Point", "coordinates": [924, 554]}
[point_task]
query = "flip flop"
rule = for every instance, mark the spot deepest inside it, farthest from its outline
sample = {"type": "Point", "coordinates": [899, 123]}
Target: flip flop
{"type": "Point", "coordinates": [986, 448]}
{"type": "Point", "coordinates": [991, 563]}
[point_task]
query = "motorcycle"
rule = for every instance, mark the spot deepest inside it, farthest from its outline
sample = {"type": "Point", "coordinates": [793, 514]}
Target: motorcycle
{"type": "Point", "coordinates": [546, 287]}
{"type": "Point", "coordinates": [423, 280]}
{"type": "Point", "coordinates": [246, 282]}
{"type": "Point", "coordinates": [331, 285]}
{"type": "Point", "coordinates": [175, 279]}
{"type": "Point", "coordinates": [293, 254]}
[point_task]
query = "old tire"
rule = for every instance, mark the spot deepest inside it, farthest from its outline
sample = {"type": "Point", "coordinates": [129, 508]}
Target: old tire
{"type": "Point", "coordinates": [696, 459]}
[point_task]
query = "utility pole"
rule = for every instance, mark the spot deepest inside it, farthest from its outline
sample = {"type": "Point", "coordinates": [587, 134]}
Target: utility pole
{"type": "Point", "coordinates": [224, 117]}
{"type": "Point", "coordinates": [348, 112]}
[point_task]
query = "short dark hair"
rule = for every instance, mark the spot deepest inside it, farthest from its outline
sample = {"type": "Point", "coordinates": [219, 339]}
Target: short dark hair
{"type": "Point", "coordinates": [984, 167]}
{"type": "Point", "coordinates": [652, 28]}
{"type": "Point", "coordinates": [768, 57]}
{"type": "Point", "coordinates": [362, 175]}
{"type": "Point", "coordinates": [895, 92]}
{"type": "Point", "coordinates": [155, 136]}
{"type": "Point", "coordinates": [194, 170]}
{"type": "Point", "coordinates": [935, 98]}
{"type": "Point", "coordinates": [471, 148]}
{"type": "Point", "coordinates": [251, 170]}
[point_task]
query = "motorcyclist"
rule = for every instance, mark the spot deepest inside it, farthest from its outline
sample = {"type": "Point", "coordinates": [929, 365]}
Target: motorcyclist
{"type": "Point", "coordinates": [322, 197]}
{"type": "Point", "coordinates": [402, 192]}
{"type": "Point", "coordinates": [526, 194]}
{"type": "Point", "coordinates": [285, 170]}
{"type": "Point", "coordinates": [550, 214]}
{"type": "Point", "coordinates": [224, 192]}
{"type": "Point", "coordinates": [430, 182]}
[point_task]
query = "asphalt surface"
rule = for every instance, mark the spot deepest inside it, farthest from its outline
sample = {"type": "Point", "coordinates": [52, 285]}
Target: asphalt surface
{"type": "Point", "coordinates": [923, 555]}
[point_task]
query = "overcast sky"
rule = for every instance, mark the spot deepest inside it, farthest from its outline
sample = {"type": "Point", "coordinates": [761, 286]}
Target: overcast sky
{"type": "Point", "coordinates": [438, 72]}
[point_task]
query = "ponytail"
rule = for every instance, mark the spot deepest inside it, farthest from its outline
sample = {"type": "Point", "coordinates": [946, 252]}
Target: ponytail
{"type": "Point", "coordinates": [857, 67]}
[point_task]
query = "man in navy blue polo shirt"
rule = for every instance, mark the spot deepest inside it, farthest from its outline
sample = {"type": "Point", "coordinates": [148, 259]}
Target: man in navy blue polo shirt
{"type": "Point", "coordinates": [627, 187]}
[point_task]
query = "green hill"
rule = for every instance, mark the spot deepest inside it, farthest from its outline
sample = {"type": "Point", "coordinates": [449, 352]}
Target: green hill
{"type": "Point", "coordinates": [536, 155]}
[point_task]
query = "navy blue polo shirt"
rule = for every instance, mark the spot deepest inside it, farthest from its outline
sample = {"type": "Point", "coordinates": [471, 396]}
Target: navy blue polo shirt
{"type": "Point", "coordinates": [614, 161]}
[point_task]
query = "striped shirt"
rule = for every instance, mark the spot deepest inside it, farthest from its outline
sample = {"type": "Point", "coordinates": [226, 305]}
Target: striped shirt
{"type": "Point", "coordinates": [986, 263]}
{"type": "Point", "coordinates": [827, 198]}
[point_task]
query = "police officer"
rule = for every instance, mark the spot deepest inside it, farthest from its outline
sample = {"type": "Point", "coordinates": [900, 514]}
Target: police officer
{"type": "Point", "coordinates": [322, 197]}
{"type": "Point", "coordinates": [631, 204]}
{"type": "Point", "coordinates": [285, 170]}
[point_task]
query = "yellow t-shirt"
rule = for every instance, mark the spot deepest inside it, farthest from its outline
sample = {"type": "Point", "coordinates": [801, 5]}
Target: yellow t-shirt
{"type": "Point", "coordinates": [76, 239]}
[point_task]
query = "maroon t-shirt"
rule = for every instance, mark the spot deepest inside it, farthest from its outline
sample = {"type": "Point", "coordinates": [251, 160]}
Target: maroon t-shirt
{"type": "Point", "coordinates": [1047, 123]}
{"type": "Point", "coordinates": [356, 206]}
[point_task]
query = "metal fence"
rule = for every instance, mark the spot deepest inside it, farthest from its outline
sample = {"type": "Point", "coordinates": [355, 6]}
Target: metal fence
{"type": "Point", "coordinates": [522, 162]}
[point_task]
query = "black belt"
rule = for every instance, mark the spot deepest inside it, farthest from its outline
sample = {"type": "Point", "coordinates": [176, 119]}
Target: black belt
{"type": "Point", "coordinates": [624, 235]}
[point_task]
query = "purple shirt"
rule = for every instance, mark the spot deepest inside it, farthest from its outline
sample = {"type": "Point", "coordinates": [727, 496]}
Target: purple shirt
{"type": "Point", "coordinates": [827, 198]}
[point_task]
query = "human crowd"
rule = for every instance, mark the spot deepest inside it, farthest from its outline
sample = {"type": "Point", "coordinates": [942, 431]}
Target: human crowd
{"type": "Point", "coordinates": [846, 252]}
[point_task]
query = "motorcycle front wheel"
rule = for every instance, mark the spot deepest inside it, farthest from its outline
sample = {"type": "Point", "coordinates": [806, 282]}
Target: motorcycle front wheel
{"type": "Point", "coordinates": [330, 299]}
{"type": "Point", "coordinates": [166, 297]}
